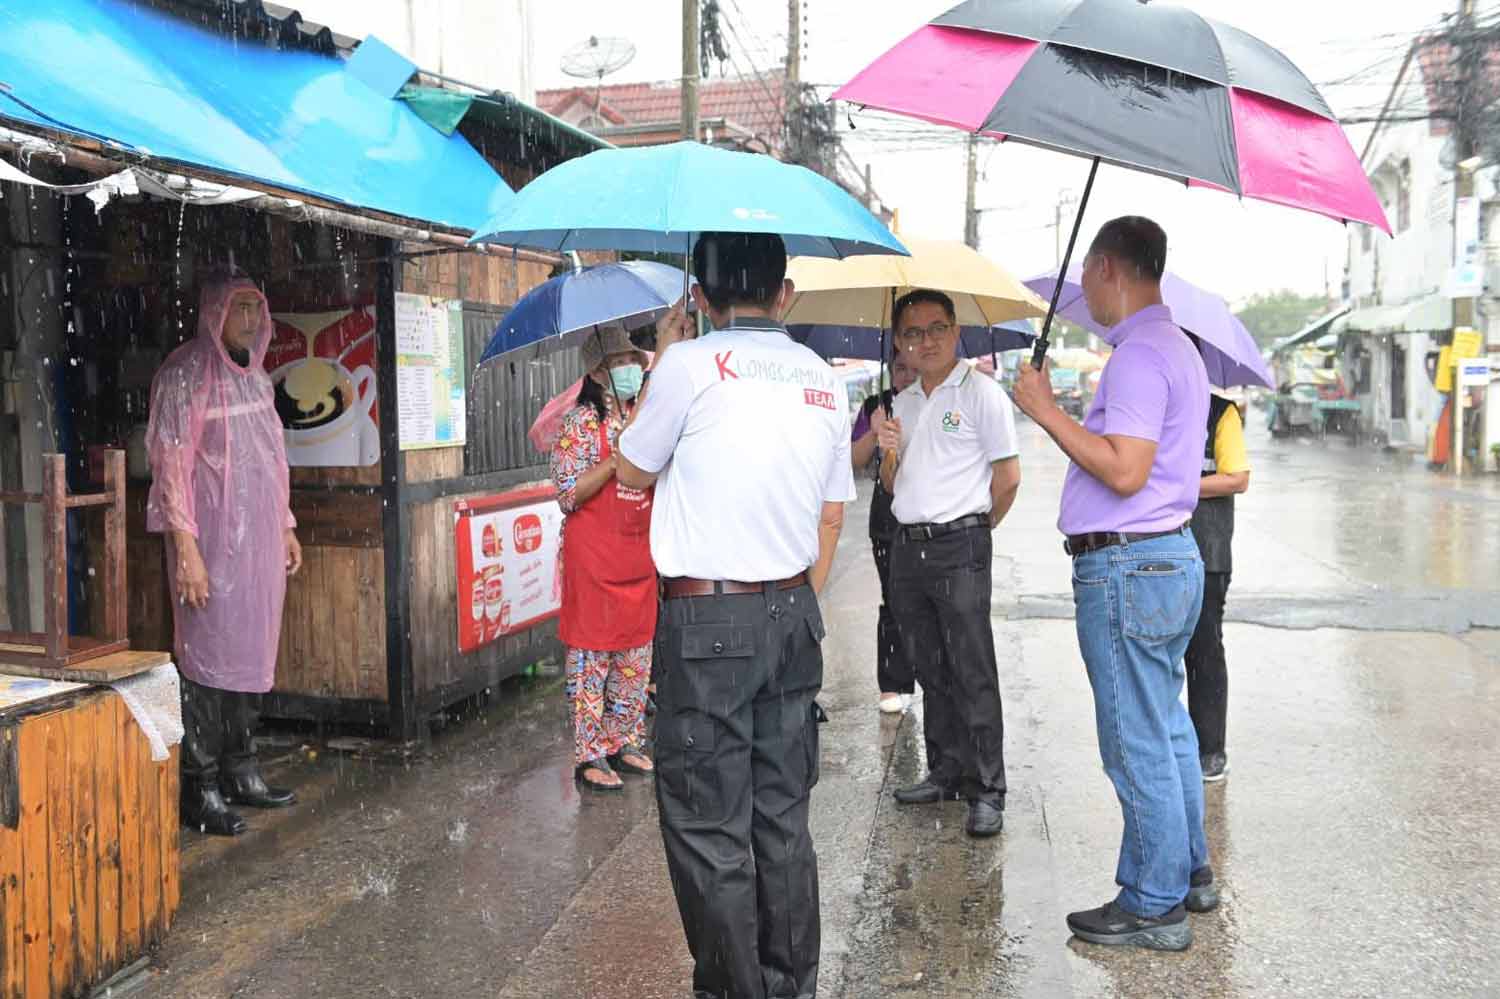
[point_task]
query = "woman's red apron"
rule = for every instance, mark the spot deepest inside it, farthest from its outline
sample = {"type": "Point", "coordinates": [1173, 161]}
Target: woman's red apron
{"type": "Point", "coordinates": [609, 580]}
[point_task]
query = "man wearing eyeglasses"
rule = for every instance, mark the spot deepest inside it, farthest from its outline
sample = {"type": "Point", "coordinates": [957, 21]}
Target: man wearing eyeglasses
{"type": "Point", "coordinates": [954, 478]}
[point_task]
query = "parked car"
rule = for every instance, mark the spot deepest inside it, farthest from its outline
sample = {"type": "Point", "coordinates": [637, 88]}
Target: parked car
{"type": "Point", "coordinates": [1067, 388]}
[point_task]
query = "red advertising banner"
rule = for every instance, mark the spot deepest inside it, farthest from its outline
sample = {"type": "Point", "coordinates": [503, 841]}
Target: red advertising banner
{"type": "Point", "coordinates": [508, 548]}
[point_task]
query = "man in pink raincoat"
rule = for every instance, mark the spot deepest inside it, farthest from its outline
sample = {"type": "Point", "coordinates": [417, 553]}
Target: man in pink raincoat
{"type": "Point", "coordinates": [221, 493]}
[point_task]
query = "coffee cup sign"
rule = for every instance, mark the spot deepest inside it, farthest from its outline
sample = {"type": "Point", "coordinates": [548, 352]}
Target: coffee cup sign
{"type": "Point", "coordinates": [322, 367]}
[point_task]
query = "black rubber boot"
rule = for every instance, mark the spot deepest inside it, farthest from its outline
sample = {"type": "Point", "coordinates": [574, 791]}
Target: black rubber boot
{"type": "Point", "coordinates": [203, 809]}
{"type": "Point", "coordinates": [251, 789]}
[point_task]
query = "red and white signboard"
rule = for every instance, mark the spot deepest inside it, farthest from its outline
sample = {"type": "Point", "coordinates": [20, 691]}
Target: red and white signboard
{"type": "Point", "coordinates": [508, 580]}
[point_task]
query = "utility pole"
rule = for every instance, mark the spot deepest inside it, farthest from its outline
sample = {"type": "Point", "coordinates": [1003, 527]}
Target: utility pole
{"type": "Point", "coordinates": [971, 211]}
{"type": "Point", "coordinates": [794, 42]}
{"type": "Point", "coordinates": [1057, 236]}
{"type": "Point", "coordinates": [792, 113]}
{"type": "Point", "coordinates": [1065, 200]}
{"type": "Point", "coordinates": [1468, 54]}
{"type": "Point", "coordinates": [690, 69]}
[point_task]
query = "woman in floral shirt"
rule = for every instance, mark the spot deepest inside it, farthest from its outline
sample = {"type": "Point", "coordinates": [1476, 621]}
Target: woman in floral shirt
{"type": "Point", "coordinates": [608, 578]}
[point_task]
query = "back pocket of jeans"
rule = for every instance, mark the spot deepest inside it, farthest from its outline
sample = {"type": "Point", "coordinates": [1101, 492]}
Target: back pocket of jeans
{"type": "Point", "coordinates": [1158, 601]}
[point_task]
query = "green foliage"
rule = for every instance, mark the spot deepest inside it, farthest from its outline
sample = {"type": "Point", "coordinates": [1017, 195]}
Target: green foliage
{"type": "Point", "coordinates": [1272, 315]}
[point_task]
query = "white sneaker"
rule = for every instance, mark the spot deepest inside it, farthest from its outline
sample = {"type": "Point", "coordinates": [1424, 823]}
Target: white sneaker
{"type": "Point", "coordinates": [893, 704]}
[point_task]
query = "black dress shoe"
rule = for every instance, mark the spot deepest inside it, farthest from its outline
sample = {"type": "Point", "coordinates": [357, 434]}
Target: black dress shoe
{"type": "Point", "coordinates": [929, 792]}
{"type": "Point", "coordinates": [1113, 926]}
{"type": "Point", "coordinates": [251, 789]}
{"type": "Point", "coordinates": [203, 809]}
{"type": "Point", "coordinates": [1203, 894]}
{"type": "Point", "coordinates": [986, 818]}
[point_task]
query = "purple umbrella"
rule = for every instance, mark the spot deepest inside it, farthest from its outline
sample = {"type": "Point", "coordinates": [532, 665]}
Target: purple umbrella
{"type": "Point", "coordinates": [1229, 351]}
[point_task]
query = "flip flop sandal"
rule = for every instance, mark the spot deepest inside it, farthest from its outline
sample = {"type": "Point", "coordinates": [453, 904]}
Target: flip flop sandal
{"type": "Point", "coordinates": [600, 767]}
{"type": "Point", "coordinates": [619, 761]}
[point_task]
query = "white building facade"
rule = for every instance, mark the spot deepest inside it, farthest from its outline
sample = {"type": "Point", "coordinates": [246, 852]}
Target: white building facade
{"type": "Point", "coordinates": [1400, 287]}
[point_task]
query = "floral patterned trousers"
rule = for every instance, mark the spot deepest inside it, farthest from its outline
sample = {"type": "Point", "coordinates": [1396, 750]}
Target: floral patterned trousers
{"type": "Point", "coordinates": [607, 695]}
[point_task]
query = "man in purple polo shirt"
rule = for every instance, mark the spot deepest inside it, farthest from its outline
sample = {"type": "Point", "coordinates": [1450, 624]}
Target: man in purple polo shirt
{"type": "Point", "coordinates": [1138, 581]}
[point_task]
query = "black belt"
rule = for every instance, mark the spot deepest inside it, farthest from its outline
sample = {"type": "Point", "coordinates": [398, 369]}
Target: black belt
{"type": "Point", "coordinates": [926, 532]}
{"type": "Point", "coordinates": [683, 586]}
{"type": "Point", "coordinates": [1082, 544]}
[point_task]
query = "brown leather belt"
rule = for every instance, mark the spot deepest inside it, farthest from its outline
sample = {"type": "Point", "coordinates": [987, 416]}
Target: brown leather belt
{"type": "Point", "coordinates": [1082, 544]}
{"type": "Point", "coordinates": [686, 586]}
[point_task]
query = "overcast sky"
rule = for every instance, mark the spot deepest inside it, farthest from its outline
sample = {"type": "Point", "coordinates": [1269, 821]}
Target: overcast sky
{"type": "Point", "coordinates": [1235, 248]}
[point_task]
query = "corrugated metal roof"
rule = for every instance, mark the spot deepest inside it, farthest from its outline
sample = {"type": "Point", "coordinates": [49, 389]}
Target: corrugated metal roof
{"type": "Point", "coordinates": [272, 23]}
{"type": "Point", "coordinates": [1311, 331]}
{"type": "Point", "coordinates": [1428, 314]}
{"type": "Point", "coordinates": [755, 103]}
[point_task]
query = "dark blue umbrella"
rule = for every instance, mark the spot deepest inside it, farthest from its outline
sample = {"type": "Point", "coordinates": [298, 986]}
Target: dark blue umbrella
{"type": "Point", "coordinates": [564, 311]}
{"type": "Point", "coordinates": [861, 343]}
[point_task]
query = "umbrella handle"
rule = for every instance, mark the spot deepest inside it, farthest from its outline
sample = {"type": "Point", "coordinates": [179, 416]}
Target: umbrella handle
{"type": "Point", "coordinates": [890, 404]}
{"type": "Point", "coordinates": [1039, 351]}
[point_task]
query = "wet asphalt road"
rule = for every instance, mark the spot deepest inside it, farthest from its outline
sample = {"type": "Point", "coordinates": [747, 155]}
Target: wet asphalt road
{"type": "Point", "coordinates": [1354, 838]}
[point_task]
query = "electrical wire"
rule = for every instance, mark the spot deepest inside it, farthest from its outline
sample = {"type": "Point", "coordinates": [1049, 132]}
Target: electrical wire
{"type": "Point", "coordinates": [777, 107]}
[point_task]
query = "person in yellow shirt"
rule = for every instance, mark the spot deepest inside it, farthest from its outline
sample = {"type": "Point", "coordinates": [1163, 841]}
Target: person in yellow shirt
{"type": "Point", "coordinates": [1226, 474]}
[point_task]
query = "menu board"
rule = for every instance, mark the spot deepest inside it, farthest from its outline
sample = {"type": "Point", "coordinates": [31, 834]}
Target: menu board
{"type": "Point", "coordinates": [507, 549]}
{"type": "Point", "coordinates": [430, 385]}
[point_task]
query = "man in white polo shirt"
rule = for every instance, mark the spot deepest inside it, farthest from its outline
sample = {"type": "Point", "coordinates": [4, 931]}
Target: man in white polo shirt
{"type": "Point", "coordinates": [954, 478]}
{"type": "Point", "coordinates": [745, 434]}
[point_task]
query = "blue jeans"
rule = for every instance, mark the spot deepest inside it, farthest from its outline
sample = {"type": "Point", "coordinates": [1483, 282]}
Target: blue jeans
{"type": "Point", "coordinates": [1136, 607]}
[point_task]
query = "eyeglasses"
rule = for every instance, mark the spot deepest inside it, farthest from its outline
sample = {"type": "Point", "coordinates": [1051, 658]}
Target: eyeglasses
{"type": "Point", "coordinates": [916, 334]}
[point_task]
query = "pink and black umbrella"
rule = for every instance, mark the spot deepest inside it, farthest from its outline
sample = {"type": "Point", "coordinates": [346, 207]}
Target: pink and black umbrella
{"type": "Point", "coordinates": [1147, 86]}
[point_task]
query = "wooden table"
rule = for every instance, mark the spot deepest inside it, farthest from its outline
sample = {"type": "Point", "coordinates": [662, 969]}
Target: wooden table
{"type": "Point", "coordinates": [88, 838]}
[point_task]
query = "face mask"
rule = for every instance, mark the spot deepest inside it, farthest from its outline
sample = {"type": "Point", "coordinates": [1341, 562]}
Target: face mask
{"type": "Point", "coordinates": [626, 380]}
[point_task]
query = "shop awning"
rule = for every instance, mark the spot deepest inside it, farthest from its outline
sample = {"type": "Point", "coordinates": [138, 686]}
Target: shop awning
{"type": "Point", "coordinates": [130, 81]}
{"type": "Point", "coordinates": [1312, 331]}
{"type": "Point", "coordinates": [1430, 314]}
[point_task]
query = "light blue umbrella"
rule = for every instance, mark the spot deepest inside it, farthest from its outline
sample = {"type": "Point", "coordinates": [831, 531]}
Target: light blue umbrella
{"type": "Point", "coordinates": [864, 343]}
{"type": "Point", "coordinates": [563, 312]}
{"type": "Point", "coordinates": [657, 199]}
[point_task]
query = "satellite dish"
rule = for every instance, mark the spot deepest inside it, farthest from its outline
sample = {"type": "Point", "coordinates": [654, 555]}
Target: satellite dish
{"type": "Point", "coordinates": [595, 58]}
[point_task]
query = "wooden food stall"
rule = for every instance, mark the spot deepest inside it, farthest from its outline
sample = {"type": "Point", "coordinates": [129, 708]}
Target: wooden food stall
{"type": "Point", "coordinates": [88, 838]}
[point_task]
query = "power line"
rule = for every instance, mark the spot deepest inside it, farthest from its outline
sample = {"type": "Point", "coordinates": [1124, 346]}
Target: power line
{"type": "Point", "coordinates": [778, 107]}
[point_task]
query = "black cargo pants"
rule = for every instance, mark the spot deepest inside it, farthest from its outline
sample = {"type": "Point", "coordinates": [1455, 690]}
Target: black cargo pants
{"type": "Point", "coordinates": [736, 760]}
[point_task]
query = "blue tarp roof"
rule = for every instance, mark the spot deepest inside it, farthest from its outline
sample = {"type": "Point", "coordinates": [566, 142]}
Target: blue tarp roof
{"type": "Point", "coordinates": [159, 87]}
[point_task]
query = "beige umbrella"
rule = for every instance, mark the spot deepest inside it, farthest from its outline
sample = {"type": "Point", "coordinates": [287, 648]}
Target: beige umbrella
{"type": "Point", "coordinates": [859, 291]}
